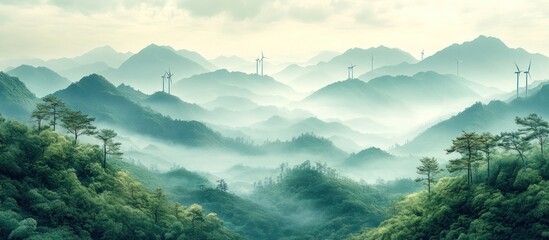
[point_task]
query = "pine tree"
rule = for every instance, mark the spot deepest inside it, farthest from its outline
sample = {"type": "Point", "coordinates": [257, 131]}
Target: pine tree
{"type": "Point", "coordinates": [55, 107]}
{"type": "Point", "coordinates": [488, 144]}
{"type": "Point", "coordinates": [515, 141]}
{"type": "Point", "coordinates": [429, 168]}
{"type": "Point", "coordinates": [40, 113]}
{"type": "Point", "coordinates": [468, 145]}
{"type": "Point", "coordinates": [534, 127]}
{"type": "Point", "coordinates": [222, 185]}
{"type": "Point", "coordinates": [109, 146]}
{"type": "Point", "coordinates": [77, 123]}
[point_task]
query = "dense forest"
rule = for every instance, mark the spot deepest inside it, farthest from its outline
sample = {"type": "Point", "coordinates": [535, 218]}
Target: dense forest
{"type": "Point", "coordinates": [504, 193]}
{"type": "Point", "coordinates": [54, 188]}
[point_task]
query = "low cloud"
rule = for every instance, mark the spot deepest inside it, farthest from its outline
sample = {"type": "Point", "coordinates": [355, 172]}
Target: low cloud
{"type": "Point", "coordinates": [236, 9]}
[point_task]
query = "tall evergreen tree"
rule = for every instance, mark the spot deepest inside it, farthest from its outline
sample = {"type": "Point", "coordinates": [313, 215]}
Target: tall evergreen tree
{"type": "Point", "coordinates": [429, 168]}
{"type": "Point", "coordinates": [77, 123]}
{"type": "Point", "coordinates": [534, 127]}
{"type": "Point", "coordinates": [488, 144]}
{"type": "Point", "coordinates": [55, 106]}
{"type": "Point", "coordinates": [515, 141]}
{"type": "Point", "coordinates": [222, 185]}
{"type": "Point", "coordinates": [468, 146]}
{"type": "Point", "coordinates": [40, 113]}
{"type": "Point", "coordinates": [109, 146]}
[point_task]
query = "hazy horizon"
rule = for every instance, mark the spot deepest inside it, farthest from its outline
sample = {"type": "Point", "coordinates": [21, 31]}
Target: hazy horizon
{"type": "Point", "coordinates": [287, 31]}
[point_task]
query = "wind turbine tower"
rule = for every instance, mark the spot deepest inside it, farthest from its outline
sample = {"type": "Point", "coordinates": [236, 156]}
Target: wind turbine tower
{"type": "Point", "coordinates": [262, 62]}
{"type": "Point", "coordinates": [163, 80]}
{"type": "Point", "coordinates": [351, 71]}
{"type": "Point", "coordinates": [518, 74]}
{"type": "Point", "coordinates": [170, 74]}
{"type": "Point", "coordinates": [457, 67]}
{"type": "Point", "coordinates": [527, 73]}
{"type": "Point", "coordinates": [257, 60]}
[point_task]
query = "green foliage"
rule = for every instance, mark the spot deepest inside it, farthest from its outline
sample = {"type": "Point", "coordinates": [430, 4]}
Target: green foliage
{"type": "Point", "coordinates": [40, 113]}
{"type": "Point", "coordinates": [54, 107]}
{"type": "Point", "coordinates": [77, 123]}
{"type": "Point", "coordinates": [534, 127]}
{"type": "Point", "coordinates": [468, 145]}
{"type": "Point", "coordinates": [222, 185]}
{"type": "Point", "coordinates": [514, 208]}
{"type": "Point", "coordinates": [51, 188]}
{"type": "Point", "coordinates": [17, 101]}
{"type": "Point", "coordinates": [306, 143]}
{"type": "Point", "coordinates": [429, 168]}
{"type": "Point", "coordinates": [110, 147]}
{"type": "Point", "coordinates": [511, 204]}
{"type": "Point", "coordinates": [515, 141]}
{"type": "Point", "coordinates": [315, 198]}
{"type": "Point", "coordinates": [112, 107]}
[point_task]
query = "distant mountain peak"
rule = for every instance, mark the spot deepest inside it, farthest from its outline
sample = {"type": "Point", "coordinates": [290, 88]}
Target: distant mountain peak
{"type": "Point", "coordinates": [161, 96]}
{"type": "Point", "coordinates": [96, 83]}
{"type": "Point", "coordinates": [105, 48]}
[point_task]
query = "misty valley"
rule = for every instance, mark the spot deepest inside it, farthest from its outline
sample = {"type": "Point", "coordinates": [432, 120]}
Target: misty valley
{"type": "Point", "coordinates": [364, 144]}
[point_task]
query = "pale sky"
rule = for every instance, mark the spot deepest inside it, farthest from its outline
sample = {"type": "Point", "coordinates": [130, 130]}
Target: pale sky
{"type": "Point", "coordinates": [286, 30]}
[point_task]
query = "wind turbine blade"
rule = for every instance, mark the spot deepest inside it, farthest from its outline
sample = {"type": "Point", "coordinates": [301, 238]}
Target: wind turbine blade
{"type": "Point", "coordinates": [529, 65]}
{"type": "Point", "coordinates": [518, 69]}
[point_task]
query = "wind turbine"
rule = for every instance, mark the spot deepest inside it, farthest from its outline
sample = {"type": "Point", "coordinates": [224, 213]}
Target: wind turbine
{"type": "Point", "coordinates": [422, 54]}
{"type": "Point", "coordinates": [163, 80]}
{"type": "Point", "coordinates": [527, 73]}
{"type": "Point", "coordinates": [457, 66]}
{"type": "Point", "coordinates": [257, 60]}
{"type": "Point", "coordinates": [518, 74]}
{"type": "Point", "coordinates": [262, 57]}
{"type": "Point", "coordinates": [170, 74]}
{"type": "Point", "coordinates": [351, 70]}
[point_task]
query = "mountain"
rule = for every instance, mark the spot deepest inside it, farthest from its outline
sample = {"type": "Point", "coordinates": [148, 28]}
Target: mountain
{"type": "Point", "coordinates": [425, 88]}
{"type": "Point", "coordinates": [53, 188]}
{"type": "Point", "coordinates": [505, 204]}
{"type": "Point", "coordinates": [80, 71]}
{"type": "Point", "coordinates": [323, 56]}
{"type": "Point", "coordinates": [207, 87]}
{"type": "Point", "coordinates": [326, 206]}
{"type": "Point", "coordinates": [352, 97]}
{"type": "Point", "coordinates": [144, 69]}
{"type": "Point", "coordinates": [484, 60]}
{"type": "Point", "coordinates": [40, 80]}
{"type": "Point", "coordinates": [324, 73]}
{"type": "Point", "coordinates": [96, 96]}
{"type": "Point", "coordinates": [231, 63]}
{"type": "Point", "coordinates": [368, 155]}
{"type": "Point", "coordinates": [197, 58]}
{"type": "Point", "coordinates": [342, 136]}
{"type": "Point", "coordinates": [17, 101]}
{"type": "Point", "coordinates": [231, 103]}
{"type": "Point", "coordinates": [171, 105]}
{"type": "Point", "coordinates": [492, 117]}
{"type": "Point", "coordinates": [131, 93]}
{"type": "Point", "coordinates": [104, 54]}
{"type": "Point", "coordinates": [307, 143]}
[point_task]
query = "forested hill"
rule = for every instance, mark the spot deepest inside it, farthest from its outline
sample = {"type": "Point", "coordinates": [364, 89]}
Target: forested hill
{"type": "Point", "coordinates": [51, 188]}
{"type": "Point", "coordinates": [96, 96]}
{"type": "Point", "coordinates": [503, 193]}
{"type": "Point", "coordinates": [320, 203]}
{"type": "Point", "coordinates": [15, 98]}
